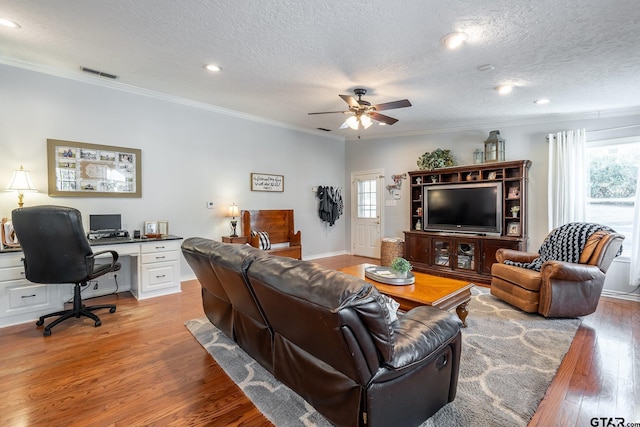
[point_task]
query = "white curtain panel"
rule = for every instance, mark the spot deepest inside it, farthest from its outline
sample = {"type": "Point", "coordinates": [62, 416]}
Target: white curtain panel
{"type": "Point", "coordinates": [567, 177]}
{"type": "Point", "coordinates": [634, 274]}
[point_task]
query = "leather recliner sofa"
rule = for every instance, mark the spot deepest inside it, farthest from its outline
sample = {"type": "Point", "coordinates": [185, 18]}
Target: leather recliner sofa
{"type": "Point", "coordinates": [329, 336]}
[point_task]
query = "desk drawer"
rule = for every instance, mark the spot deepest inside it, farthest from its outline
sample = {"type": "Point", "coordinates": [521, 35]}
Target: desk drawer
{"type": "Point", "coordinates": [159, 257]}
{"type": "Point", "coordinates": [11, 273]}
{"type": "Point", "coordinates": [160, 246]}
{"type": "Point", "coordinates": [11, 259]}
{"type": "Point", "coordinates": [27, 295]}
{"type": "Point", "coordinates": [157, 277]}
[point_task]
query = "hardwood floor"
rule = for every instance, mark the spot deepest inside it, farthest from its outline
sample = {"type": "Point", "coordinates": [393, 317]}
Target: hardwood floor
{"type": "Point", "coordinates": [142, 367]}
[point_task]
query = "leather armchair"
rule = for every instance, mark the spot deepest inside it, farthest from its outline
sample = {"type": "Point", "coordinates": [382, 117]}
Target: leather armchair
{"type": "Point", "coordinates": [559, 289]}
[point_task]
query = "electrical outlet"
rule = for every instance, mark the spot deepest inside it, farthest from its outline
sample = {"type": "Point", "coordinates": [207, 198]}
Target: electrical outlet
{"type": "Point", "coordinates": [210, 205]}
{"type": "Point", "coordinates": [95, 287]}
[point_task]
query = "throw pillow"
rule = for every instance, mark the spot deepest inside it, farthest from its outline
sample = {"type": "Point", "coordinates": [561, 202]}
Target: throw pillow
{"type": "Point", "coordinates": [265, 243]}
{"type": "Point", "coordinates": [392, 307]}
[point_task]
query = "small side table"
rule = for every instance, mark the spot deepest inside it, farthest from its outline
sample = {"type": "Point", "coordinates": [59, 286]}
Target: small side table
{"type": "Point", "coordinates": [238, 239]}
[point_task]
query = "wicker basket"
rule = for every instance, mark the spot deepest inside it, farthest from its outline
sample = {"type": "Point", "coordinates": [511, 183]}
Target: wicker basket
{"type": "Point", "coordinates": [391, 247]}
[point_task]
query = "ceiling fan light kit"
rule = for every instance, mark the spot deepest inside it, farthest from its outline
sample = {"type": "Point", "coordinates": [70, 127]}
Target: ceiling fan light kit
{"type": "Point", "coordinates": [364, 113]}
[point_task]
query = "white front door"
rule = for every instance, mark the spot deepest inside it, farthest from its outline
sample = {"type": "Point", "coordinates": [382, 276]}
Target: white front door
{"type": "Point", "coordinates": [366, 218]}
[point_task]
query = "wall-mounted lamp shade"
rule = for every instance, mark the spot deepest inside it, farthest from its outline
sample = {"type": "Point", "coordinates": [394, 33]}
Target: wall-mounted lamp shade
{"type": "Point", "coordinates": [21, 182]}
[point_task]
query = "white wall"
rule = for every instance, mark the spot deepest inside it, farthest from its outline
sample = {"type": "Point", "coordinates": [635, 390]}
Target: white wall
{"type": "Point", "coordinates": [523, 142]}
{"type": "Point", "coordinates": [190, 156]}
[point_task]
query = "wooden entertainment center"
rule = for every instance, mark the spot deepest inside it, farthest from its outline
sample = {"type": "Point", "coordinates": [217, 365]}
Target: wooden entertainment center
{"type": "Point", "coordinates": [467, 256]}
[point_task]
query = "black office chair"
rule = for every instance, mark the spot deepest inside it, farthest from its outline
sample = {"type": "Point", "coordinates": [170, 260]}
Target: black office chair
{"type": "Point", "coordinates": [56, 251]}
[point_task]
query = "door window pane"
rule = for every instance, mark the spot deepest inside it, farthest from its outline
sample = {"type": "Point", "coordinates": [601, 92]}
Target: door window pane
{"type": "Point", "coordinates": [367, 199]}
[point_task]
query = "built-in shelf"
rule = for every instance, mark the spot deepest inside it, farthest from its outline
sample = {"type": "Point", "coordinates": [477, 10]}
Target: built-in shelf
{"type": "Point", "coordinates": [464, 255]}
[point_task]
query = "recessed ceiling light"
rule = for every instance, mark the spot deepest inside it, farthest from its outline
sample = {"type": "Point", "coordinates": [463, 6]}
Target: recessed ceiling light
{"type": "Point", "coordinates": [382, 124]}
{"type": "Point", "coordinates": [212, 67]}
{"type": "Point", "coordinates": [542, 101]}
{"type": "Point", "coordinates": [504, 89]}
{"type": "Point", "coordinates": [8, 23]}
{"type": "Point", "coordinates": [454, 40]}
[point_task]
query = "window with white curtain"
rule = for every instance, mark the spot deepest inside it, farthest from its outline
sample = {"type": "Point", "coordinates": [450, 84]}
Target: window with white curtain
{"type": "Point", "coordinates": [612, 178]}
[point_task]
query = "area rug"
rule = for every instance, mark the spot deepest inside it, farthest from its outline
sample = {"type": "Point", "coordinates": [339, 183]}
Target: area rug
{"type": "Point", "coordinates": [508, 360]}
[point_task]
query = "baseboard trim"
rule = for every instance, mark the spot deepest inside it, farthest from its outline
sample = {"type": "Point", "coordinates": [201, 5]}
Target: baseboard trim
{"type": "Point", "coordinates": [330, 254]}
{"type": "Point", "coordinates": [621, 295]}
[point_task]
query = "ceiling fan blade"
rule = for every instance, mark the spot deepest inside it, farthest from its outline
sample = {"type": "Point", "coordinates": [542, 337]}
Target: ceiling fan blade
{"type": "Point", "coordinates": [391, 105]}
{"type": "Point", "coordinates": [382, 118]}
{"type": "Point", "coordinates": [350, 100]}
{"type": "Point", "coordinates": [329, 112]}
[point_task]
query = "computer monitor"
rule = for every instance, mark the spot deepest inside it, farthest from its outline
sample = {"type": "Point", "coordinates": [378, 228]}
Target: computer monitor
{"type": "Point", "coordinates": [105, 222]}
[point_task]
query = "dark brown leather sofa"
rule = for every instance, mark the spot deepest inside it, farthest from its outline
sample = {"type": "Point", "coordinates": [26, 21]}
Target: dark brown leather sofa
{"type": "Point", "coordinates": [328, 335]}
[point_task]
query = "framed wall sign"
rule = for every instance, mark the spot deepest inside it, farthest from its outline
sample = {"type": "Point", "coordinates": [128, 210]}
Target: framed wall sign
{"type": "Point", "coordinates": [266, 182]}
{"type": "Point", "coordinates": [89, 170]}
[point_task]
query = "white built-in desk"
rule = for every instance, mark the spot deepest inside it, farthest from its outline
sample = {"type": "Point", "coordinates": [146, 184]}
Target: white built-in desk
{"type": "Point", "coordinates": [150, 268]}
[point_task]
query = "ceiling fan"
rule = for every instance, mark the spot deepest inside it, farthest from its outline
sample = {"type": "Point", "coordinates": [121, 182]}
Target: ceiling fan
{"type": "Point", "coordinates": [363, 112]}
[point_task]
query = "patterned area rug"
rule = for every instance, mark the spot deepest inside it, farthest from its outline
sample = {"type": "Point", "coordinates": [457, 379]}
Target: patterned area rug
{"type": "Point", "coordinates": [508, 360]}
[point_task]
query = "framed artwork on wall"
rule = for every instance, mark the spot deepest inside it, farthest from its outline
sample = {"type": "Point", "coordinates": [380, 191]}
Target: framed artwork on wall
{"type": "Point", "coordinates": [78, 169]}
{"type": "Point", "coordinates": [267, 182]}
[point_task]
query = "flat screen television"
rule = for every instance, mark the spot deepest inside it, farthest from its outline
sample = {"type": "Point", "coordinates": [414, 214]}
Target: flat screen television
{"type": "Point", "coordinates": [465, 208]}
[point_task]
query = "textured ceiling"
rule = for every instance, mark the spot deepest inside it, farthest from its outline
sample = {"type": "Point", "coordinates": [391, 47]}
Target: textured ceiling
{"type": "Point", "coordinates": [282, 59]}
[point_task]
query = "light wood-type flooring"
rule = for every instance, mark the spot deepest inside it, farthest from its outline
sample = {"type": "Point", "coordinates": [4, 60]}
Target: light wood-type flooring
{"type": "Point", "coordinates": [143, 368]}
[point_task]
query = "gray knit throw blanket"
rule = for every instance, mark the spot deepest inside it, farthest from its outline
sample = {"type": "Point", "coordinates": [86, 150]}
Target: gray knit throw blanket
{"type": "Point", "coordinates": [564, 243]}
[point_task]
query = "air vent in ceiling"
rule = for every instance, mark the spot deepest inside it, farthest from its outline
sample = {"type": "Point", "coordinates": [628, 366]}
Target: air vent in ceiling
{"type": "Point", "coordinates": [99, 73]}
{"type": "Point", "coordinates": [326, 130]}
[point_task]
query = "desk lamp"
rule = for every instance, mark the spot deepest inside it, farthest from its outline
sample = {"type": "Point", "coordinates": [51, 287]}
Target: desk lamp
{"type": "Point", "coordinates": [20, 182]}
{"type": "Point", "coordinates": [233, 212]}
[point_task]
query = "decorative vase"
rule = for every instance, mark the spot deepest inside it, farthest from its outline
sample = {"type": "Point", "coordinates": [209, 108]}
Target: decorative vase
{"type": "Point", "coordinates": [401, 274]}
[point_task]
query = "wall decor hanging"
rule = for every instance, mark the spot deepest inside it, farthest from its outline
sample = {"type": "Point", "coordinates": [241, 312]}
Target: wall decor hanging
{"type": "Point", "coordinates": [78, 169]}
{"type": "Point", "coordinates": [267, 182]}
{"type": "Point", "coordinates": [330, 205]}
{"type": "Point", "coordinates": [397, 182]}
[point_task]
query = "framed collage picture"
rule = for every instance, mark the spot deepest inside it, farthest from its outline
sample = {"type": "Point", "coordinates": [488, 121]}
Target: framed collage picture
{"type": "Point", "coordinates": [78, 169]}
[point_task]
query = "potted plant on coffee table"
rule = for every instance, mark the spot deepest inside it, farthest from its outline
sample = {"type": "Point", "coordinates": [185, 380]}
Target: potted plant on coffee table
{"type": "Point", "coordinates": [400, 267]}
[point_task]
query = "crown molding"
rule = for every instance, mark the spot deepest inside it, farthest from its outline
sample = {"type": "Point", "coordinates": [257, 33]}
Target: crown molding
{"type": "Point", "coordinates": [110, 84]}
{"type": "Point", "coordinates": [528, 121]}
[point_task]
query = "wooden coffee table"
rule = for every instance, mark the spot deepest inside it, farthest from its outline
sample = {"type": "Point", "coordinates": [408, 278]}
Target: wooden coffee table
{"type": "Point", "coordinates": [430, 290]}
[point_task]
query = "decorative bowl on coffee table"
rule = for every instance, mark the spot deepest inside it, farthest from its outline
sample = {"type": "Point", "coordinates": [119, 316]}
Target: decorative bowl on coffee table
{"type": "Point", "coordinates": [388, 276]}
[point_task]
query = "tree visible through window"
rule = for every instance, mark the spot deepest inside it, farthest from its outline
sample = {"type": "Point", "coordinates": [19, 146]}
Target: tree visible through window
{"type": "Point", "coordinates": [612, 184]}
